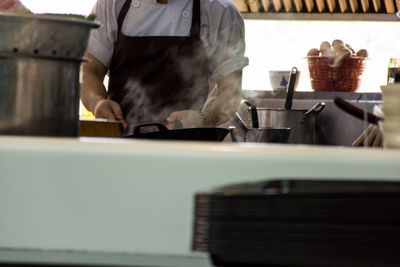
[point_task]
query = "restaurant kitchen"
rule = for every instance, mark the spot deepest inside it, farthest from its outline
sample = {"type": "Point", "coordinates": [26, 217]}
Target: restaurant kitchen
{"type": "Point", "coordinates": [118, 202]}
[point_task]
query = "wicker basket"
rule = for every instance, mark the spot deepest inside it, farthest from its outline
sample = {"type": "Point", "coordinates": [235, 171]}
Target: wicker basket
{"type": "Point", "coordinates": [345, 77]}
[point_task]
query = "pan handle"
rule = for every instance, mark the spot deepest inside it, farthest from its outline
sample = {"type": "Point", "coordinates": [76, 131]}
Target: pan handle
{"type": "Point", "coordinates": [355, 111]}
{"type": "Point", "coordinates": [159, 126]}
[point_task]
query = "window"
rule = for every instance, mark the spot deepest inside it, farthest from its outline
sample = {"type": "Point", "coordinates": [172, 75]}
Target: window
{"type": "Point", "coordinates": [278, 44]}
{"type": "Point", "coordinates": [55, 6]}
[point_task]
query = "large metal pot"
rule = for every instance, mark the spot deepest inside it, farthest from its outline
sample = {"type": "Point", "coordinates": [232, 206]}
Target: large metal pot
{"type": "Point", "coordinates": [242, 133]}
{"type": "Point", "coordinates": [302, 123]}
{"type": "Point", "coordinates": [40, 58]}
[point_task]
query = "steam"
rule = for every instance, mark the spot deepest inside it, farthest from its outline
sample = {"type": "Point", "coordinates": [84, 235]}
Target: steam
{"type": "Point", "coordinates": [199, 95]}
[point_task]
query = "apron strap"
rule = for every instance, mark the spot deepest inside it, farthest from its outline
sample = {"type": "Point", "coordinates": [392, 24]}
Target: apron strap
{"type": "Point", "coordinates": [195, 30]}
{"type": "Point", "coordinates": [122, 14]}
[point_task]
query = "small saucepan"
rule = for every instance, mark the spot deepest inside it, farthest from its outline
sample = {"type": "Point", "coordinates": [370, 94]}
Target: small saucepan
{"type": "Point", "coordinates": [159, 132]}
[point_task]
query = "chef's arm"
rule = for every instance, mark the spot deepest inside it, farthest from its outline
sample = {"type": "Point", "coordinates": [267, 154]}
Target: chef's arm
{"type": "Point", "coordinates": [94, 93]}
{"type": "Point", "coordinates": [227, 100]}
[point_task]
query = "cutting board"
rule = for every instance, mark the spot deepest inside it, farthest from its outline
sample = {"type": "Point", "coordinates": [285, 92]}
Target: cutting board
{"type": "Point", "coordinates": [365, 5]}
{"type": "Point", "coordinates": [277, 5]}
{"type": "Point", "coordinates": [354, 6]}
{"type": "Point", "coordinates": [343, 5]}
{"type": "Point", "coordinates": [299, 5]}
{"type": "Point", "coordinates": [254, 5]}
{"type": "Point", "coordinates": [390, 8]}
{"type": "Point", "coordinates": [320, 5]}
{"type": "Point", "coordinates": [100, 128]}
{"type": "Point", "coordinates": [377, 5]}
{"type": "Point", "coordinates": [241, 5]}
{"type": "Point", "coordinates": [310, 5]}
{"type": "Point", "coordinates": [332, 5]}
{"type": "Point", "coordinates": [266, 5]}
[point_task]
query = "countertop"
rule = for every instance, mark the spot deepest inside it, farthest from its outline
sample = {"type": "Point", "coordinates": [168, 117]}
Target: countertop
{"type": "Point", "coordinates": [105, 195]}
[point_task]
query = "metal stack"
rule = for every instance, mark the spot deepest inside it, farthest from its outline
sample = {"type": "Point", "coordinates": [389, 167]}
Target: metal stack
{"type": "Point", "coordinates": [300, 223]}
{"type": "Point", "coordinates": [40, 58]}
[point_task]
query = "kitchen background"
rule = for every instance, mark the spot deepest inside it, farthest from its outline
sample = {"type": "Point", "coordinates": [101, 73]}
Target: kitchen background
{"type": "Point", "coordinates": [281, 44]}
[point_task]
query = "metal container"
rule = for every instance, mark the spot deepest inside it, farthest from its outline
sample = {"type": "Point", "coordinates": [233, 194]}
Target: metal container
{"type": "Point", "coordinates": [268, 135]}
{"type": "Point", "coordinates": [241, 133]}
{"type": "Point", "coordinates": [44, 35]}
{"type": "Point", "coordinates": [40, 60]}
{"type": "Point", "coordinates": [302, 123]}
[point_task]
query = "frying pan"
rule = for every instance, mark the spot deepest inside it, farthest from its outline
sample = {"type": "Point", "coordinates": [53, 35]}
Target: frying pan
{"type": "Point", "coordinates": [185, 134]}
{"type": "Point", "coordinates": [356, 111]}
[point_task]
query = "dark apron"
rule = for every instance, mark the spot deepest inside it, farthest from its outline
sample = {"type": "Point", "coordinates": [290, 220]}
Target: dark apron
{"type": "Point", "coordinates": [151, 77]}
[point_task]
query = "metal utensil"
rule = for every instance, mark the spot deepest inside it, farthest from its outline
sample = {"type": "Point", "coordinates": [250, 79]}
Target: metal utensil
{"type": "Point", "coordinates": [316, 109]}
{"type": "Point", "coordinates": [252, 109]}
{"type": "Point", "coordinates": [39, 73]}
{"type": "Point", "coordinates": [356, 111]}
{"type": "Point", "coordinates": [290, 88]}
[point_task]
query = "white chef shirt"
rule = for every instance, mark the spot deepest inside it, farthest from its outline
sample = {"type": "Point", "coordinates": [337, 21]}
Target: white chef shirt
{"type": "Point", "coordinates": [222, 29]}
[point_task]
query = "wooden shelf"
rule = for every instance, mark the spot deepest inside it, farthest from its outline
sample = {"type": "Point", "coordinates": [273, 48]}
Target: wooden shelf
{"type": "Point", "coordinates": [322, 16]}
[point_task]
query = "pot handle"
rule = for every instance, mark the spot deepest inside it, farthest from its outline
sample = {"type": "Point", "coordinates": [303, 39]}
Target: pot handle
{"type": "Point", "coordinates": [355, 111]}
{"type": "Point", "coordinates": [252, 109]}
{"type": "Point", "coordinates": [290, 88]}
{"type": "Point", "coordinates": [316, 109]}
{"type": "Point", "coordinates": [232, 133]}
{"type": "Point", "coordinates": [159, 126]}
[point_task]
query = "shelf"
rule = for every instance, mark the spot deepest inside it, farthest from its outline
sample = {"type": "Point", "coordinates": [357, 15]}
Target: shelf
{"type": "Point", "coordinates": [321, 16]}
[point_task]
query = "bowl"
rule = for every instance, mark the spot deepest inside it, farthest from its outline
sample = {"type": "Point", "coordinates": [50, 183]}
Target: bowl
{"type": "Point", "coordinates": [279, 79]}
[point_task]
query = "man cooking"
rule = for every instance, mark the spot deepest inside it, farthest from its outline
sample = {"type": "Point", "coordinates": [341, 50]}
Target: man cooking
{"type": "Point", "coordinates": [178, 62]}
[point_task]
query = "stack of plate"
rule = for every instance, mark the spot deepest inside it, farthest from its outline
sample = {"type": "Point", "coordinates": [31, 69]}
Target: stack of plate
{"type": "Point", "coordinates": [391, 111]}
{"type": "Point", "coordinates": [300, 223]}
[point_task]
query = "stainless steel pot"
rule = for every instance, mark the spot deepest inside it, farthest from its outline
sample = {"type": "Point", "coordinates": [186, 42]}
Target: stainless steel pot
{"type": "Point", "coordinates": [40, 60]}
{"type": "Point", "coordinates": [301, 122]}
{"type": "Point", "coordinates": [241, 133]}
{"type": "Point", "coordinates": [44, 35]}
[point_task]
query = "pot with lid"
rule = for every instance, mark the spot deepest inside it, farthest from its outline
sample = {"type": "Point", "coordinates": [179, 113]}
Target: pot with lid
{"type": "Point", "coordinates": [40, 58]}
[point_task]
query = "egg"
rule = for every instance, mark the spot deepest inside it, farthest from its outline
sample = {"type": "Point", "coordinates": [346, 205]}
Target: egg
{"type": "Point", "coordinates": [313, 52]}
{"type": "Point", "coordinates": [325, 48]}
{"type": "Point", "coordinates": [338, 47]}
{"type": "Point", "coordinates": [337, 42]}
{"type": "Point", "coordinates": [362, 53]}
{"type": "Point", "coordinates": [351, 49]}
{"type": "Point", "coordinates": [345, 52]}
{"type": "Point", "coordinates": [341, 54]}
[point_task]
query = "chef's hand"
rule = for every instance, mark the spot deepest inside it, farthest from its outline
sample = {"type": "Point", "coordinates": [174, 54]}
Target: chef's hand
{"type": "Point", "coordinates": [371, 137]}
{"type": "Point", "coordinates": [12, 6]}
{"type": "Point", "coordinates": [108, 109]}
{"type": "Point", "coordinates": [185, 119]}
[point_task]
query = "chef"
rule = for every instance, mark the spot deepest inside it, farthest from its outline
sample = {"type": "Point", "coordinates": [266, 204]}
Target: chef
{"type": "Point", "coordinates": [178, 62]}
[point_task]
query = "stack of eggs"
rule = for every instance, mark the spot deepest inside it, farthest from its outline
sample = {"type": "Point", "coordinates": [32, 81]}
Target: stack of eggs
{"type": "Point", "coordinates": [338, 51]}
{"type": "Point", "coordinates": [336, 66]}
{"type": "Point", "coordinates": [391, 110]}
